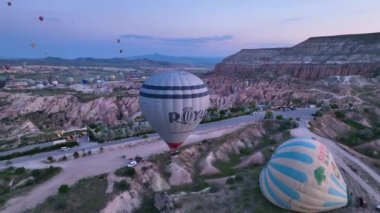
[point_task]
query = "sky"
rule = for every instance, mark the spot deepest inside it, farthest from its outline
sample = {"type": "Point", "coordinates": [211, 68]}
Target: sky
{"type": "Point", "coordinates": [202, 28]}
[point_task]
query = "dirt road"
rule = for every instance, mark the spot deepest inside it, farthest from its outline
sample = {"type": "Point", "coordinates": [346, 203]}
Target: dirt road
{"type": "Point", "coordinates": [108, 161]}
{"type": "Point", "coordinates": [364, 177]}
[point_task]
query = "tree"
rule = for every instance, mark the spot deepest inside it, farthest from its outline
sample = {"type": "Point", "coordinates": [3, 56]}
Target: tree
{"type": "Point", "coordinates": [64, 188]}
{"type": "Point", "coordinates": [76, 155]}
{"type": "Point", "coordinates": [268, 115]}
{"type": "Point", "coordinates": [279, 117]}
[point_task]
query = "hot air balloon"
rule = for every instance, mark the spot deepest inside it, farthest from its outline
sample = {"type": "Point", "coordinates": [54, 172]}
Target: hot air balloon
{"type": "Point", "coordinates": [30, 82]}
{"type": "Point", "coordinates": [111, 77]}
{"type": "Point", "coordinates": [121, 51]}
{"type": "Point", "coordinates": [41, 18]}
{"type": "Point", "coordinates": [174, 103]}
{"type": "Point", "coordinates": [118, 41]}
{"type": "Point", "coordinates": [9, 3]}
{"type": "Point", "coordinates": [302, 176]}
{"type": "Point", "coordinates": [33, 45]}
{"type": "Point", "coordinates": [3, 82]}
{"type": "Point", "coordinates": [70, 80]}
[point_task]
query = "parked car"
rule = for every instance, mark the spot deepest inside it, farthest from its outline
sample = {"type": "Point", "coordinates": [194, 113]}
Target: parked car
{"type": "Point", "coordinates": [176, 152]}
{"type": "Point", "coordinates": [65, 148]}
{"type": "Point", "coordinates": [132, 163]}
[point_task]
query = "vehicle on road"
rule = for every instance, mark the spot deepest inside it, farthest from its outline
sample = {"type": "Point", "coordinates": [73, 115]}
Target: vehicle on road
{"type": "Point", "coordinates": [132, 163]}
{"type": "Point", "coordinates": [378, 207]}
{"type": "Point", "coordinates": [65, 148]}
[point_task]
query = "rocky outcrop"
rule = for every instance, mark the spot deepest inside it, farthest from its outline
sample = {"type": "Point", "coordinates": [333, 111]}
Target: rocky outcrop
{"type": "Point", "coordinates": [315, 58]}
{"type": "Point", "coordinates": [71, 111]}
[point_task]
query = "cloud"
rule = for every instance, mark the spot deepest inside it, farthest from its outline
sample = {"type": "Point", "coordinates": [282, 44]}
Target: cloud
{"type": "Point", "coordinates": [195, 40]}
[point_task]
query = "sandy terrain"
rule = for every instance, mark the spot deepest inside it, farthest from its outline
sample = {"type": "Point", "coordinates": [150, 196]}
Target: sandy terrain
{"type": "Point", "coordinates": [108, 161]}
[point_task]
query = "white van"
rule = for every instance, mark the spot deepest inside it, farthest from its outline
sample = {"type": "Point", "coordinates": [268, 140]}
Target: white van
{"type": "Point", "coordinates": [65, 148]}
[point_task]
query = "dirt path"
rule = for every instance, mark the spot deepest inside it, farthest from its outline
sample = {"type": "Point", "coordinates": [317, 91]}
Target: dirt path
{"type": "Point", "coordinates": [108, 161]}
{"type": "Point", "coordinates": [364, 176]}
{"type": "Point", "coordinates": [339, 97]}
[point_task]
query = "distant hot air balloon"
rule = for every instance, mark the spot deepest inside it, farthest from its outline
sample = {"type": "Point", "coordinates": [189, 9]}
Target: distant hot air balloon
{"type": "Point", "coordinates": [30, 82]}
{"type": "Point", "coordinates": [302, 176]}
{"type": "Point", "coordinates": [111, 77]}
{"type": "Point", "coordinates": [3, 82]}
{"type": "Point", "coordinates": [41, 18]}
{"type": "Point", "coordinates": [121, 51]}
{"type": "Point", "coordinates": [70, 80]}
{"type": "Point", "coordinates": [174, 103]}
{"type": "Point", "coordinates": [33, 45]}
{"type": "Point", "coordinates": [118, 41]}
{"type": "Point", "coordinates": [9, 3]}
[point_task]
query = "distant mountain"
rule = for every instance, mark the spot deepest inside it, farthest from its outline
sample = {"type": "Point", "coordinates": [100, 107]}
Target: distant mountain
{"type": "Point", "coordinates": [90, 62]}
{"type": "Point", "coordinates": [197, 61]}
{"type": "Point", "coordinates": [312, 59]}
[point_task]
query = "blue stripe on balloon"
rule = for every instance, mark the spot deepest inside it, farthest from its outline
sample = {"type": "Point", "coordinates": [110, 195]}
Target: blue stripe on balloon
{"type": "Point", "coordinates": [274, 196]}
{"type": "Point", "coordinates": [298, 156]}
{"type": "Point", "coordinates": [334, 204]}
{"type": "Point", "coordinates": [336, 181]}
{"type": "Point", "coordinates": [283, 187]}
{"type": "Point", "coordinates": [290, 172]}
{"type": "Point", "coordinates": [335, 192]}
{"type": "Point", "coordinates": [297, 143]}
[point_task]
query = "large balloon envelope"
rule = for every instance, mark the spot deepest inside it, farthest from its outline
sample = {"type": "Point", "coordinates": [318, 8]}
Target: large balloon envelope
{"type": "Point", "coordinates": [174, 103]}
{"type": "Point", "coordinates": [9, 3]}
{"type": "Point", "coordinates": [41, 18]}
{"type": "Point", "coordinates": [302, 176]}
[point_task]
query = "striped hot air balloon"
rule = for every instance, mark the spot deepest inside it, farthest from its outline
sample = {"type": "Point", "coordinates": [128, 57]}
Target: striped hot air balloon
{"type": "Point", "coordinates": [303, 176]}
{"type": "Point", "coordinates": [174, 103]}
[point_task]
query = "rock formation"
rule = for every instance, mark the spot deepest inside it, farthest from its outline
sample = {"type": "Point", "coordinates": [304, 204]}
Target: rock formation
{"type": "Point", "coordinates": [316, 58]}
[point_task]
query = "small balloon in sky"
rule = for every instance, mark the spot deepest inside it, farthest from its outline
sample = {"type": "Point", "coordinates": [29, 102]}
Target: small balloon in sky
{"type": "Point", "coordinates": [118, 41]}
{"type": "Point", "coordinates": [41, 18]}
{"type": "Point", "coordinates": [9, 3]}
{"type": "Point", "coordinates": [121, 51]}
{"type": "Point", "coordinates": [33, 45]}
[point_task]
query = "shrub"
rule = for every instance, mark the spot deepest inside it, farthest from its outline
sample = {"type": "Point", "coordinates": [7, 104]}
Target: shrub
{"type": "Point", "coordinates": [214, 189]}
{"type": "Point", "coordinates": [125, 172]}
{"type": "Point", "coordinates": [334, 106]}
{"type": "Point", "coordinates": [279, 117]}
{"type": "Point", "coordinates": [340, 114]}
{"type": "Point", "coordinates": [76, 155]}
{"type": "Point", "coordinates": [50, 158]}
{"type": "Point", "coordinates": [239, 178]}
{"type": "Point", "coordinates": [365, 134]}
{"type": "Point", "coordinates": [230, 180]}
{"type": "Point", "coordinates": [64, 188]}
{"type": "Point", "coordinates": [122, 185]}
{"type": "Point", "coordinates": [20, 170]}
{"type": "Point", "coordinates": [145, 136]}
{"type": "Point", "coordinates": [63, 158]}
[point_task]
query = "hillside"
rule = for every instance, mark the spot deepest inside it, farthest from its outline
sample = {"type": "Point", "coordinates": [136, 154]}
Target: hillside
{"type": "Point", "coordinates": [313, 59]}
{"type": "Point", "coordinates": [197, 61]}
{"type": "Point", "coordinates": [90, 62]}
